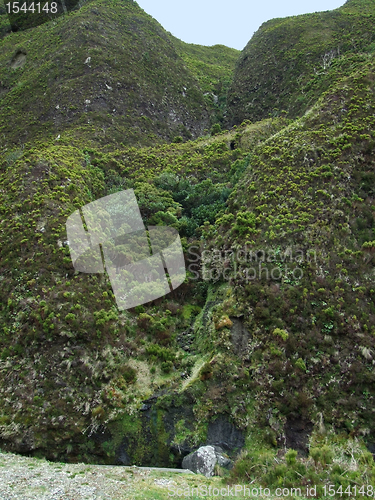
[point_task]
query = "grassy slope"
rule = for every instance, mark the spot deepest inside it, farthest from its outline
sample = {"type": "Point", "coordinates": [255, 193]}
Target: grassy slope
{"type": "Point", "coordinates": [61, 336]}
{"type": "Point", "coordinates": [362, 6]}
{"type": "Point", "coordinates": [310, 187]}
{"type": "Point", "coordinates": [289, 62]}
{"type": "Point", "coordinates": [135, 89]}
{"type": "Point", "coordinates": [68, 357]}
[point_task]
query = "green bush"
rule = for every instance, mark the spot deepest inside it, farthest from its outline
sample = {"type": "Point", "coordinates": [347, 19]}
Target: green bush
{"type": "Point", "coordinates": [167, 366]}
{"type": "Point", "coordinates": [323, 455]}
{"type": "Point", "coordinates": [290, 457]}
{"type": "Point", "coordinates": [129, 374]}
{"type": "Point", "coordinates": [281, 333]}
{"type": "Point", "coordinates": [245, 223]}
{"type": "Point", "coordinates": [162, 353]}
{"type": "Point", "coordinates": [215, 129]}
{"type": "Point", "coordinates": [144, 321]}
{"type": "Point", "coordinates": [300, 364]}
{"type": "Point", "coordinates": [5, 354]}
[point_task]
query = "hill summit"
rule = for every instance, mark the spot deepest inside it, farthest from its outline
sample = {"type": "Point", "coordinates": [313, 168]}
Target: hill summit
{"type": "Point", "coordinates": [108, 71]}
{"type": "Point", "coordinates": [290, 62]}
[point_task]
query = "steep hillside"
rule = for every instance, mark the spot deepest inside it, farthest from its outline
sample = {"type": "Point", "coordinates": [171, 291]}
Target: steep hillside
{"type": "Point", "coordinates": [296, 246]}
{"type": "Point", "coordinates": [109, 71]}
{"type": "Point", "coordinates": [269, 344]}
{"type": "Point", "coordinates": [76, 364]}
{"type": "Point", "coordinates": [358, 6]}
{"type": "Point", "coordinates": [289, 62]}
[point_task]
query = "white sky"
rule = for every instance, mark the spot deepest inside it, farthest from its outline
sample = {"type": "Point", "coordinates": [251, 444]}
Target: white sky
{"type": "Point", "coordinates": [231, 23]}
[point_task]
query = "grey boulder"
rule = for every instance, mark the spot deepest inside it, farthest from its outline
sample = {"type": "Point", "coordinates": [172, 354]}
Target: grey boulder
{"type": "Point", "coordinates": [203, 460]}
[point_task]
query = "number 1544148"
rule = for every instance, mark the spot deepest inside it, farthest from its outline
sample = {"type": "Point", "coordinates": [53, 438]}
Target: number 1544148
{"type": "Point", "coordinates": [37, 8]}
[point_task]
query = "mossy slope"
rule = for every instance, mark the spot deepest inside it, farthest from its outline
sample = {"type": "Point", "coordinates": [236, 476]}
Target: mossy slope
{"type": "Point", "coordinates": [69, 350]}
{"type": "Point", "coordinates": [289, 62]}
{"type": "Point", "coordinates": [303, 216]}
{"type": "Point", "coordinates": [108, 70]}
{"type": "Point", "coordinates": [213, 67]}
{"type": "Point", "coordinates": [82, 381]}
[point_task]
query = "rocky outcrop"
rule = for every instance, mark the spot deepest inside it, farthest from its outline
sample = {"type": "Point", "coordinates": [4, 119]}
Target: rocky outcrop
{"type": "Point", "coordinates": [152, 438]}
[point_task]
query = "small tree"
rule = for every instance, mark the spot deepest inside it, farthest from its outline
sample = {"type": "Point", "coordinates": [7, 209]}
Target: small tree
{"type": "Point", "coordinates": [216, 129]}
{"type": "Point", "coordinates": [290, 457]}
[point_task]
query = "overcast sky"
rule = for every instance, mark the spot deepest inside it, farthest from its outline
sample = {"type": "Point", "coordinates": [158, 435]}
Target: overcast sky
{"type": "Point", "coordinates": [231, 23]}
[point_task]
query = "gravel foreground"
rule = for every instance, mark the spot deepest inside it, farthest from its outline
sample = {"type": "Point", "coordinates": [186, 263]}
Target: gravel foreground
{"type": "Point", "coordinates": [31, 478]}
{"type": "Point", "coordinates": [25, 478]}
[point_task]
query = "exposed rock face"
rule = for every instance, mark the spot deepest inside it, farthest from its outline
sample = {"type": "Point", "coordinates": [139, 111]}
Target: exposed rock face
{"type": "Point", "coordinates": [221, 433]}
{"type": "Point", "coordinates": [240, 337]}
{"type": "Point", "coordinates": [158, 442]}
{"type": "Point", "coordinates": [203, 460]}
{"type": "Point", "coordinates": [297, 432]}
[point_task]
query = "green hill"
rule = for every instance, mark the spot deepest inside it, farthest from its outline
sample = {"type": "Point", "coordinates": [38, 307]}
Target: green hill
{"type": "Point", "coordinates": [302, 220]}
{"type": "Point", "coordinates": [289, 62]}
{"type": "Point", "coordinates": [269, 344]}
{"type": "Point", "coordinates": [109, 71]}
{"type": "Point", "coordinates": [305, 207]}
{"type": "Point", "coordinates": [359, 6]}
